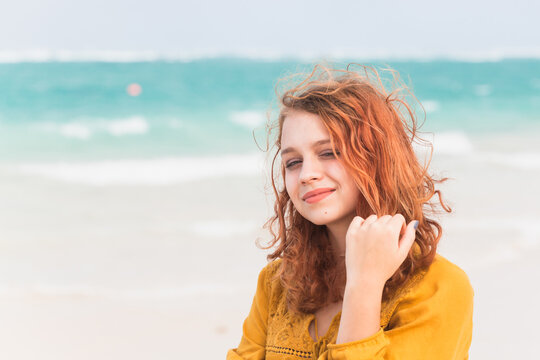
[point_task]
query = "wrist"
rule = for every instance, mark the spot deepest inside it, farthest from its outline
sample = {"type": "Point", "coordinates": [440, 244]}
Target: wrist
{"type": "Point", "coordinates": [364, 284]}
{"type": "Point", "coordinates": [361, 310]}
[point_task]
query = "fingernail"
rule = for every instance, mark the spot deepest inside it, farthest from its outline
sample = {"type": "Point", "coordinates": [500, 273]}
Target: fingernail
{"type": "Point", "coordinates": [416, 222]}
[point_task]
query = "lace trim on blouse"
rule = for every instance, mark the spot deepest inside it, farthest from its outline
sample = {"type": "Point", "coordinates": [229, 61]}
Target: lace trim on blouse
{"type": "Point", "coordinates": [296, 332]}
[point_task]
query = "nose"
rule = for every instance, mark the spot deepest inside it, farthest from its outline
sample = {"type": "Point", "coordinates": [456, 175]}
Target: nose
{"type": "Point", "coordinates": [311, 171]}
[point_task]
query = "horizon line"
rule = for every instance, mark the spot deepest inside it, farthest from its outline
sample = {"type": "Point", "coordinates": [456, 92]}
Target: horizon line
{"type": "Point", "coordinates": [128, 56]}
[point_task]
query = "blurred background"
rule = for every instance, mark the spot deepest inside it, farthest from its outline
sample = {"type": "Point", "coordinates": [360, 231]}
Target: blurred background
{"type": "Point", "coordinates": [132, 190]}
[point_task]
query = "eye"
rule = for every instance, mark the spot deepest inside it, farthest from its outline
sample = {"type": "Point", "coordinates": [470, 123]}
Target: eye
{"type": "Point", "coordinates": [329, 154]}
{"type": "Point", "coordinates": [292, 163]}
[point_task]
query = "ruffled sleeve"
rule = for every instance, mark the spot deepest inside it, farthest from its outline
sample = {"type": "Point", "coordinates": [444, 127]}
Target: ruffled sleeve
{"type": "Point", "coordinates": [431, 321]}
{"type": "Point", "coordinates": [252, 344]}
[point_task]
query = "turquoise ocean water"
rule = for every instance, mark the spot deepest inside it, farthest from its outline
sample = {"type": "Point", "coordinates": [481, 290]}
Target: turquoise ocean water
{"type": "Point", "coordinates": [80, 112]}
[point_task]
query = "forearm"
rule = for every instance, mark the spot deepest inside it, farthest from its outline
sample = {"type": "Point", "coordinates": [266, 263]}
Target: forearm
{"type": "Point", "coordinates": [361, 311]}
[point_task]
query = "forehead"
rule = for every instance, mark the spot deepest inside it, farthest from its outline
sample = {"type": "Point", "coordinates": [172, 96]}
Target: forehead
{"type": "Point", "coordinates": [302, 128]}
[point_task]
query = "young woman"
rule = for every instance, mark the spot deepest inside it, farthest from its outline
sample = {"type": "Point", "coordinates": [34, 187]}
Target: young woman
{"type": "Point", "coordinates": [355, 273]}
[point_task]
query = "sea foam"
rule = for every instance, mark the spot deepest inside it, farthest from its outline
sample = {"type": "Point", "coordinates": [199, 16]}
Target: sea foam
{"type": "Point", "coordinates": [250, 119]}
{"type": "Point", "coordinates": [430, 106]}
{"type": "Point", "coordinates": [84, 129]}
{"type": "Point", "coordinates": [446, 143]}
{"type": "Point", "coordinates": [132, 125]}
{"type": "Point", "coordinates": [161, 171]}
{"type": "Point", "coordinates": [75, 130]}
{"type": "Point", "coordinates": [456, 143]}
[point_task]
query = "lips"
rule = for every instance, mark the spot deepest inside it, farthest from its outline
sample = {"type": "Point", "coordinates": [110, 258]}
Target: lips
{"type": "Point", "coordinates": [317, 195]}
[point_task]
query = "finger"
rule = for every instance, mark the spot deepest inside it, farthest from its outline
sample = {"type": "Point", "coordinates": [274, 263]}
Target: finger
{"type": "Point", "coordinates": [398, 224]}
{"type": "Point", "coordinates": [370, 220]}
{"type": "Point", "coordinates": [385, 219]}
{"type": "Point", "coordinates": [407, 239]}
{"type": "Point", "coordinates": [357, 221]}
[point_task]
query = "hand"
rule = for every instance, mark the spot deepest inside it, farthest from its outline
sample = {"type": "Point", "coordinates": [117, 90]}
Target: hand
{"type": "Point", "coordinates": [376, 247]}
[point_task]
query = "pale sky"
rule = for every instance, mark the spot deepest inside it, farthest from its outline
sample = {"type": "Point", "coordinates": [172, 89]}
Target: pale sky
{"type": "Point", "coordinates": [394, 28]}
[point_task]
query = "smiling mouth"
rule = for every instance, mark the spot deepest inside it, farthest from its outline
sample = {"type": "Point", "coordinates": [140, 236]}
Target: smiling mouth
{"type": "Point", "coordinates": [317, 196]}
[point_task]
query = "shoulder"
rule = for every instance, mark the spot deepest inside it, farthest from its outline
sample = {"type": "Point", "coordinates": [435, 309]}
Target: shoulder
{"type": "Point", "coordinates": [434, 317]}
{"type": "Point", "coordinates": [441, 294]}
{"type": "Point", "coordinates": [270, 292]}
{"type": "Point", "coordinates": [443, 286]}
{"type": "Point", "coordinates": [445, 276]}
{"type": "Point", "coordinates": [269, 275]}
{"type": "Point", "coordinates": [272, 268]}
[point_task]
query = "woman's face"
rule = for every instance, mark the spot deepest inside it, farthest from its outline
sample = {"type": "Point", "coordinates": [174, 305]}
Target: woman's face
{"type": "Point", "coordinates": [320, 188]}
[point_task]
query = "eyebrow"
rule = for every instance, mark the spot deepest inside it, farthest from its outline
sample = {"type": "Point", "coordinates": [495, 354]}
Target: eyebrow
{"type": "Point", "coordinates": [315, 144]}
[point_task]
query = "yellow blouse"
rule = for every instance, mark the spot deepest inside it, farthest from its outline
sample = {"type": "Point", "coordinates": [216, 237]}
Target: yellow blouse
{"type": "Point", "coordinates": [430, 317]}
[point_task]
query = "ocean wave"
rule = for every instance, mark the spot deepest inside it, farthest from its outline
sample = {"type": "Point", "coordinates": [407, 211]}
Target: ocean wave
{"type": "Point", "coordinates": [129, 126]}
{"type": "Point", "coordinates": [152, 172]}
{"type": "Point", "coordinates": [446, 143]}
{"type": "Point", "coordinates": [456, 143]}
{"type": "Point", "coordinates": [452, 142]}
{"type": "Point", "coordinates": [430, 106]}
{"type": "Point", "coordinates": [249, 119]}
{"type": "Point", "coordinates": [84, 129]}
{"type": "Point", "coordinates": [75, 131]}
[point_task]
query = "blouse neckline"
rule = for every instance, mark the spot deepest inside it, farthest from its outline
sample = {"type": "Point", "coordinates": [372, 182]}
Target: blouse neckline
{"type": "Point", "coordinates": [330, 333]}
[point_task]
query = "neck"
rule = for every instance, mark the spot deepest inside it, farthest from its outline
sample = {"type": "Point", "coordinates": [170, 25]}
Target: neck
{"type": "Point", "coordinates": [337, 233]}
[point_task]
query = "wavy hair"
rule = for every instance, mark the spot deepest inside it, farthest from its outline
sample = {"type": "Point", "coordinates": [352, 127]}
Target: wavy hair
{"type": "Point", "coordinates": [373, 131]}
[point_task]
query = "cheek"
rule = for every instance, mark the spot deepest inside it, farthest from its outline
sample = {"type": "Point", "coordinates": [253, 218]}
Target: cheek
{"type": "Point", "coordinates": [338, 172]}
{"type": "Point", "coordinates": [290, 185]}
{"type": "Point", "coordinates": [347, 182]}
{"type": "Point", "coordinates": [354, 195]}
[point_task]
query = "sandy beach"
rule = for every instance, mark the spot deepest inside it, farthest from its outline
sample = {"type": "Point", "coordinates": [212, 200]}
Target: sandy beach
{"type": "Point", "coordinates": [168, 272]}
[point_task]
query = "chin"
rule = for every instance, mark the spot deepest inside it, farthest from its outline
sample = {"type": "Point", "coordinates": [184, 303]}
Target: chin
{"type": "Point", "coordinates": [320, 220]}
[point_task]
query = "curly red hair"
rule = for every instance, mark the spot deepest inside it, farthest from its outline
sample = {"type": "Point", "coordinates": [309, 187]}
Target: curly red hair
{"type": "Point", "coordinates": [373, 132]}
